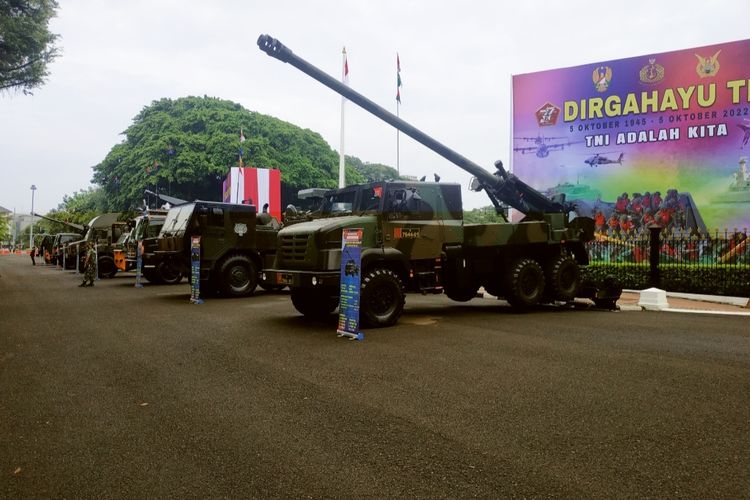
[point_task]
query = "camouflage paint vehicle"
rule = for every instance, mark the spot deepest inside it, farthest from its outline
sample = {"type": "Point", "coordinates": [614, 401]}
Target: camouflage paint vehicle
{"type": "Point", "coordinates": [60, 240]}
{"type": "Point", "coordinates": [145, 226]}
{"type": "Point", "coordinates": [236, 243]}
{"type": "Point", "coordinates": [58, 246]}
{"type": "Point", "coordinates": [415, 238]}
{"type": "Point", "coordinates": [103, 231]}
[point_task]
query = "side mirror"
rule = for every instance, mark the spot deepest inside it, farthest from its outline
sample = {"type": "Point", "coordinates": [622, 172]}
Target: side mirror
{"type": "Point", "coordinates": [475, 184]}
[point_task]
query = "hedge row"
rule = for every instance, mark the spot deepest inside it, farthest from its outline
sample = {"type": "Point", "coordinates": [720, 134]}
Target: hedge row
{"type": "Point", "coordinates": [709, 280]}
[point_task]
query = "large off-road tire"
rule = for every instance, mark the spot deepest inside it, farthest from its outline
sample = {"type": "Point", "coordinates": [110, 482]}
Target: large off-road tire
{"type": "Point", "coordinates": [316, 304]}
{"type": "Point", "coordinates": [524, 283]}
{"type": "Point", "coordinates": [563, 278]}
{"type": "Point", "coordinates": [382, 298]}
{"type": "Point", "coordinates": [151, 275]}
{"type": "Point", "coordinates": [461, 288]}
{"type": "Point", "coordinates": [106, 267]}
{"type": "Point", "coordinates": [167, 274]}
{"type": "Point", "coordinates": [238, 276]}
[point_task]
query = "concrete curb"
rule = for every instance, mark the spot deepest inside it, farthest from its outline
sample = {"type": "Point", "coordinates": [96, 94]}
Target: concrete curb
{"type": "Point", "coordinates": [735, 301]}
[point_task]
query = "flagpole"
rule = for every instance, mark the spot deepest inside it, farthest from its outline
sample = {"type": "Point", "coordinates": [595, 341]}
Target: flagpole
{"type": "Point", "coordinates": [398, 147]}
{"type": "Point", "coordinates": [344, 71]}
{"type": "Point", "coordinates": [239, 171]}
{"type": "Point", "coordinates": [398, 106]}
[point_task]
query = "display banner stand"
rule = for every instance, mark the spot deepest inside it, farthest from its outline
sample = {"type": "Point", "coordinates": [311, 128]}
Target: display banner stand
{"type": "Point", "coordinates": [138, 265]}
{"type": "Point", "coordinates": [195, 275]}
{"type": "Point", "coordinates": [351, 264]}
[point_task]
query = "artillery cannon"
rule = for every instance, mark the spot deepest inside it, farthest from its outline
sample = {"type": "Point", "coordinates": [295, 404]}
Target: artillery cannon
{"type": "Point", "coordinates": [500, 186]}
{"type": "Point", "coordinates": [415, 238]}
{"type": "Point", "coordinates": [80, 228]}
{"type": "Point", "coordinates": [57, 248]}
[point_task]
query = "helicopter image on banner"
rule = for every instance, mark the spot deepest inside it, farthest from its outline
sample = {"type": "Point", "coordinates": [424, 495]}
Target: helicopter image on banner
{"type": "Point", "coordinates": [540, 147]}
{"type": "Point", "coordinates": [600, 159]}
{"type": "Point", "coordinates": [746, 130]}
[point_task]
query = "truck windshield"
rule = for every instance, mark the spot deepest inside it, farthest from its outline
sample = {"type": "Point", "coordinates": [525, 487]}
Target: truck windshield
{"type": "Point", "coordinates": [177, 220]}
{"type": "Point", "coordinates": [338, 203]}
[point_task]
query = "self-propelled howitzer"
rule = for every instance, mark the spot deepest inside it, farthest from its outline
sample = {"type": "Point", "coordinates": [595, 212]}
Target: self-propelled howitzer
{"type": "Point", "coordinates": [414, 237]}
{"type": "Point", "coordinates": [79, 228]}
{"type": "Point", "coordinates": [500, 186]}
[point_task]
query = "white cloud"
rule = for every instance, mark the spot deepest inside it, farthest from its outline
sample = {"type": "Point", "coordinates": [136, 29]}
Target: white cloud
{"type": "Point", "coordinates": [457, 58]}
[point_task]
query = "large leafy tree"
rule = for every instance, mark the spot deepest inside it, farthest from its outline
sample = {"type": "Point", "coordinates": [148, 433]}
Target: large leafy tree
{"type": "Point", "coordinates": [185, 147]}
{"type": "Point", "coordinates": [372, 172]}
{"type": "Point", "coordinates": [26, 45]}
{"type": "Point", "coordinates": [5, 226]}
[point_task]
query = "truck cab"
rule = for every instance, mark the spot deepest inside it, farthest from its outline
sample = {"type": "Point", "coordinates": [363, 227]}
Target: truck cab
{"type": "Point", "coordinates": [236, 243]}
{"type": "Point", "coordinates": [406, 226]}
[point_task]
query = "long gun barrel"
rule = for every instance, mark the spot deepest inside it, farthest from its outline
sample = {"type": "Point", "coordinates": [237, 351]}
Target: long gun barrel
{"type": "Point", "coordinates": [81, 228]}
{"type": "Point", "coordinates": [500, 186]}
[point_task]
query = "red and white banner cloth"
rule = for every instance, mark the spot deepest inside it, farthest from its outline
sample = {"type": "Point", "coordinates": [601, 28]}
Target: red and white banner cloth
{"type": "Point", "coordinates": [256, 186]}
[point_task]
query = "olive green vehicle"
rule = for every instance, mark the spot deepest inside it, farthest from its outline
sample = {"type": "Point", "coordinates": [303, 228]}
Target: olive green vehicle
{"type": "Point", "coordinates": [144, 227]}
{"type": "Point", "coordinates": [415, 239]}
{"type": "Point", "coordinates": [236, 243]}
{"type": "Point", "coordinates": [103, 231]}
{"type": "Point", "coordinates": [59, 240]}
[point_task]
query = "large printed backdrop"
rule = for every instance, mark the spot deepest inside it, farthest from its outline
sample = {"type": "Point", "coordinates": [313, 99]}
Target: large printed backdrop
{"type": "Point", "coordinates": [672, 121]}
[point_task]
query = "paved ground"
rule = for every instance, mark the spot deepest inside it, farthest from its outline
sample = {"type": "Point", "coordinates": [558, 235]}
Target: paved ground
{"type": "Point", "coordinates": [113, 392]}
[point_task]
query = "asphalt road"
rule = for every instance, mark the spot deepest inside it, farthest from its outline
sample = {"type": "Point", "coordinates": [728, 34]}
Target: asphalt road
{"type": "Point", "coordinates": [117, 392]}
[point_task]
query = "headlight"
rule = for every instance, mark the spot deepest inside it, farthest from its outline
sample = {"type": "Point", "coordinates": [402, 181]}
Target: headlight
{"type": "Point", "coordinates": [314, 280]}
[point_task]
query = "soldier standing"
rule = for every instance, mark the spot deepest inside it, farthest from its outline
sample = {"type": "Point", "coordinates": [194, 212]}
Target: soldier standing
{"type": "Point", "coordinates": [89, 266]}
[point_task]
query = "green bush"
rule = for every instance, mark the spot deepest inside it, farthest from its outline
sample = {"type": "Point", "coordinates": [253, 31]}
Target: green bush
{"type": "Point", "coordinates": [725, 280]}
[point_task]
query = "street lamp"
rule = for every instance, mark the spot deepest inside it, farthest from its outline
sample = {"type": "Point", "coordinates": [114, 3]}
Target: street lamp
{"type": "Point", "coordinates": [31, 234]}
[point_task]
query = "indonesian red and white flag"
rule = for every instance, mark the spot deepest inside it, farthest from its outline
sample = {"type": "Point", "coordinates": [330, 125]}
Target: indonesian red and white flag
{"type": "Point", "coordinates": [255, 186]}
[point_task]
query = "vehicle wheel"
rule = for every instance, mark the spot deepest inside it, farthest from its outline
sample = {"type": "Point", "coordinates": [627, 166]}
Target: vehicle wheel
{"type": "Point", "coordinates": [238, 276]}
{"type": "Point", "coordinates": [382, 298]}
{"type": "Point", "coordinates": [107, 268]}
{"type": "Point", "coordinates": [563, 278]}
{"type": "Point", "coordinates": [314, 303]}
{"type": "Point", "coordinates": [525, 283]}
{"type": "Point", "coordinates": [167, 274]}
{"type": "Point", "coordinates": [460, 292]}
{"type": "Point", "coordinates": [151, 275]}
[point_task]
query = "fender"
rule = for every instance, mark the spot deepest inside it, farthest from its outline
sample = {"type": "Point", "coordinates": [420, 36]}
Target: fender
{"type": "Point", "coordinates": [390, 255]}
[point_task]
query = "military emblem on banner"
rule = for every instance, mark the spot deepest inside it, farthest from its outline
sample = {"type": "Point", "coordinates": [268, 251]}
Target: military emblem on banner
{"type": "Point", "coordinates": [708, 66]}
{"type": "Point", "coordinates": [602, 76]}
{"type": "Point", "coordinates": [652, 72]}
{"type": "Point", "coordinates": [547, 114]}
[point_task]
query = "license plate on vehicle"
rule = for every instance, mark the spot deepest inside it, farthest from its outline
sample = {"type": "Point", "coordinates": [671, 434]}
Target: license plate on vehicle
{"type": "Point", "coordinates": [284, 279]}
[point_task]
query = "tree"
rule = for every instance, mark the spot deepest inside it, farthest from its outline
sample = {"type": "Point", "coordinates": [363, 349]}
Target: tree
{"type": "Point", "coordinates": [5, 226]}
{"type": "Point", "coordinates": [484, 215]}
{"type": "Point", "coordinates": [373, 171]}
{"type": "Point", "coordinates": [185, 147]}
{"type": "Point", "coordinates": [26, 45]}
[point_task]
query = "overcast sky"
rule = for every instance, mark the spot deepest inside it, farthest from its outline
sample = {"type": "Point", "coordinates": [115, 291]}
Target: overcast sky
{"type": "Point", "coordinates": [457, 59]}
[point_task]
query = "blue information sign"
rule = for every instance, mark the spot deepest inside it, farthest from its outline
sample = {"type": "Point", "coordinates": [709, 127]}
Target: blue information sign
{"type": "Point", "coordinates": [195, 275]}
{"type": "Point", "coordinates": [351, 246]}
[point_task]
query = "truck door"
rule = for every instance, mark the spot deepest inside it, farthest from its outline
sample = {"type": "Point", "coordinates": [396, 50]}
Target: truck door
{"type": "Point", "coordinates": [410, 223]}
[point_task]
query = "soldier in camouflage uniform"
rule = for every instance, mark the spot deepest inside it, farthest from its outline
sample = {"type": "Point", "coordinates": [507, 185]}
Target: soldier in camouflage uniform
{"type": "Point", "coordinates": [89, 266]}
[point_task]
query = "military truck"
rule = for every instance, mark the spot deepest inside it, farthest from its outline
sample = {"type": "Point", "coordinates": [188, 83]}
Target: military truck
{"type": "Point", "coordinates": [59, 240]}
{"type": "Point", "coordinates": [415, 238]}
{"type": "Point", "coordinates": [236, 243]}
{"type": "Point", "coordinates": [103, 230]}
{"type": "Point", "coordinates": [144, 226]}
{"type": "Point", "coordinates": [58, 244]}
